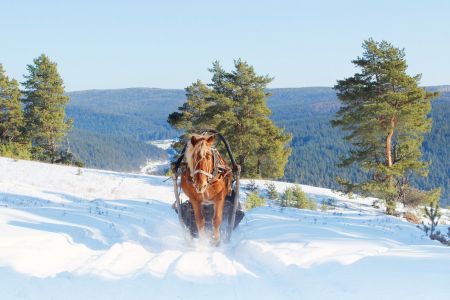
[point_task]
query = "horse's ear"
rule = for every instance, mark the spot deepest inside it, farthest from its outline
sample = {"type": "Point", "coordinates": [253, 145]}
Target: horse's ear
{"type": "Point", "coordinates": [210, 140]}
{"type": "Point", "coordinates": [194, 140]}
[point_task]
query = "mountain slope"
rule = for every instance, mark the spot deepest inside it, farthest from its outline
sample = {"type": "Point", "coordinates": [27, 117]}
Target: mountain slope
{"type": "Point", "coordinates": [121, 153]}
{"type": "Point", "coordinates": [106, 235]}
{"type": "Point", "coordinates": [141, 114]}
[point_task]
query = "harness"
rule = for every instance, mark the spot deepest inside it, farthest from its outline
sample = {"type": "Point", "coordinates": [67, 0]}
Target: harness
{"type": "Point", "coordinates": [217, 168]}
{"type": "Point", "coordinates": [213, 176]}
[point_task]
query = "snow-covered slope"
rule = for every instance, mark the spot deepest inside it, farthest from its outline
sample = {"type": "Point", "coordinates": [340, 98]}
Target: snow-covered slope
{"type": "Point", "coordinates": [69, 233]}
{"type": "Point", "coordinates": [159, 167]}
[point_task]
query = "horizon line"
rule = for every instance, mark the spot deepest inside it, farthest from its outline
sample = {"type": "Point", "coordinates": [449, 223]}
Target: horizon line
{"type": "Point", "coordinates": [271, 88]}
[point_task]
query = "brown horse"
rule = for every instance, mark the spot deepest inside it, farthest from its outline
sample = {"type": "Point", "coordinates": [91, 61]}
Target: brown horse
{"type": "Point", "coordinates": [207, 179]}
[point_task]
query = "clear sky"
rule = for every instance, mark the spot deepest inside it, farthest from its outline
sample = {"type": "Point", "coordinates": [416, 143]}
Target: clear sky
{"type": "Point", "coordinates": [170, 44]}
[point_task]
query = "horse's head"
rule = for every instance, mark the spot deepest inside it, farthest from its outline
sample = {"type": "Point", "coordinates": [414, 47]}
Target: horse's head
{"type": "Point", "coordinates": [200, 160]}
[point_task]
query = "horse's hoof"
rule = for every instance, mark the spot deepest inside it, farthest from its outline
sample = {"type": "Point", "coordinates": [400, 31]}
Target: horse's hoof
{"type": "Point", "coordinates": [215, 243]}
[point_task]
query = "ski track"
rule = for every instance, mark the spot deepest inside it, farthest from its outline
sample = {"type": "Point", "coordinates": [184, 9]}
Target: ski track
{"type": "Point", "coordinates": [108, 235]}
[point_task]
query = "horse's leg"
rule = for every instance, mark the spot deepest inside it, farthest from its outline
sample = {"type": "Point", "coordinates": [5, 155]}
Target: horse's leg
{"type": "Point", "coordinates": [217, 220]}
{"type": "Point", "coordinates": [199, 218]}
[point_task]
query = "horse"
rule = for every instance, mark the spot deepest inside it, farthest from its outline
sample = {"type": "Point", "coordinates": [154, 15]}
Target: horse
{"type": "Point", "coordinates": [207, 179]}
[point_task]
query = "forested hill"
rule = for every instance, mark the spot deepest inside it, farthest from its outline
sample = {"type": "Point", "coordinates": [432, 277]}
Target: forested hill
{"type": "Point", "coordinates": [141, 113]}
{"type": "Point", "coordinates": [137, 112]}
{"type": "Point", "coordinates": [112, 152]}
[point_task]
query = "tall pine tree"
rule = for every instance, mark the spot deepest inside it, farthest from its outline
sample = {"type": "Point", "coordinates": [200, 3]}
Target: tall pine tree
{"type": "Point", "coordinates": [45, 103]}
{"type": "Point", "coordinates": [12, 141]}
{"type": "Point", "coordinates": [385, 113]}
{"type": "Point", "coordinates": [234, 103]}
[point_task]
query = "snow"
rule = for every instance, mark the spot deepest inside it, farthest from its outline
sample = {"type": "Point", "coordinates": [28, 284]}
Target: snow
{"type": "Point", "coordinates": [70, 233]}
{"type": "Point", "coordinates": [163, 144]}
{"type": "Point", "coordinates": [158, 167]}
{"type": "Point", "coordinates": [155, 166]}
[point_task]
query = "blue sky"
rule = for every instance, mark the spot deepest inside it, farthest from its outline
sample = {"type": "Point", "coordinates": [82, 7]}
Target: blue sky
{"type": "Point", "coordinates": [170, 44]}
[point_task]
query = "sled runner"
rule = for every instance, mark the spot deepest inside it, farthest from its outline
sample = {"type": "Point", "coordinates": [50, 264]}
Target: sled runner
{"type": "Point", "coordinates": [211, 186]}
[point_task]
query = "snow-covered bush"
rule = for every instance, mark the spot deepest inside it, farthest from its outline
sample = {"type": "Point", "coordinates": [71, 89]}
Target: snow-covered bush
{"type": "Point", "coordinates": [324, 206]}
{"type": "Point", "coordinates": [254, 200]}
{"type": "Point", "coordinates": [272, 192]}
{"type": "Point", "coordinates": [251, 186]}
{"type": "Point", "coordinates": [442, 238]}
{"type": "Point", "coordinates": [295, 197]}
{"type": "Point", "coordinates": [413, 197]}
{"type": "Point", "coordinates": [433, 217]}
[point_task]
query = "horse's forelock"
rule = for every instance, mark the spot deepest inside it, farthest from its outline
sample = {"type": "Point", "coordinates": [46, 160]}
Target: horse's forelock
{"type": "Point", "coordinates": [198, 150]}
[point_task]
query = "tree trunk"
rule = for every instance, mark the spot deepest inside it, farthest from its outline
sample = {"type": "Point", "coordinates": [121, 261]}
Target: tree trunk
{"type": "Point", "coordinates": [390, 202]}
{"type": "Point", "coordinates": [241, 161]}
{"type": "Point", "coordinates": [389, 161]}
{"type": "Point", "coordinates": [258, 167]}
{"type": "Point", "coordinates": [52, 148]}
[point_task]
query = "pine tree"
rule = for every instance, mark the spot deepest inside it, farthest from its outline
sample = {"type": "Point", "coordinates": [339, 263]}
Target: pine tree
{"type": "Point", "coordinates": [385, 113]}
{"type": "Point", "coordinates": [12, 141]}
{"type": "Point", "coordinates": [234, 103]}
{"type": "Point", "coordinates": [45, 104]}
{"type": "Point", "coordinates": [432, 212]}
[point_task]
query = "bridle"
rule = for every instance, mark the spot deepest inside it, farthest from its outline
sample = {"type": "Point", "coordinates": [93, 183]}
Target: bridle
{"type": "Point", "coordinates": [211, 176]}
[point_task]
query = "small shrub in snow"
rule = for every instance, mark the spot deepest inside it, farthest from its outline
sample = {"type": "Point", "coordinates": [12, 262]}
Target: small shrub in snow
{"type": "Point", "coordinates": [391, 207]}
{"type": "Point", "coordinates": [331, 202]}
{"type": "Point", "coordinates": [65, 157]}
{"type": "Point", "coordinates": [438, 236]}
{"type": "Point", "coordinates": [433, 215]}
{"type": "Point", "coordinates": [432, 212]}
{"type": "Point", "coordinates": [288, 199]}
{"type": "Point", "coordinates": [324, 206]}
{"type": "Point", "coordinates": [413, 197]}
{"type": "Point", "coordinates": [272, 191]}
{"type": "Point", "coordinates": [295, 197]}
{"type": "Point", "coordinates": [251, 187]}
{"type": "Point", "coordinates": [254, 200]}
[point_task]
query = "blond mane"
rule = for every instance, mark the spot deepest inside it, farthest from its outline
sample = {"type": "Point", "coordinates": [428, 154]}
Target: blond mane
{"type": "Point", "coordinates": [198, 150]}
